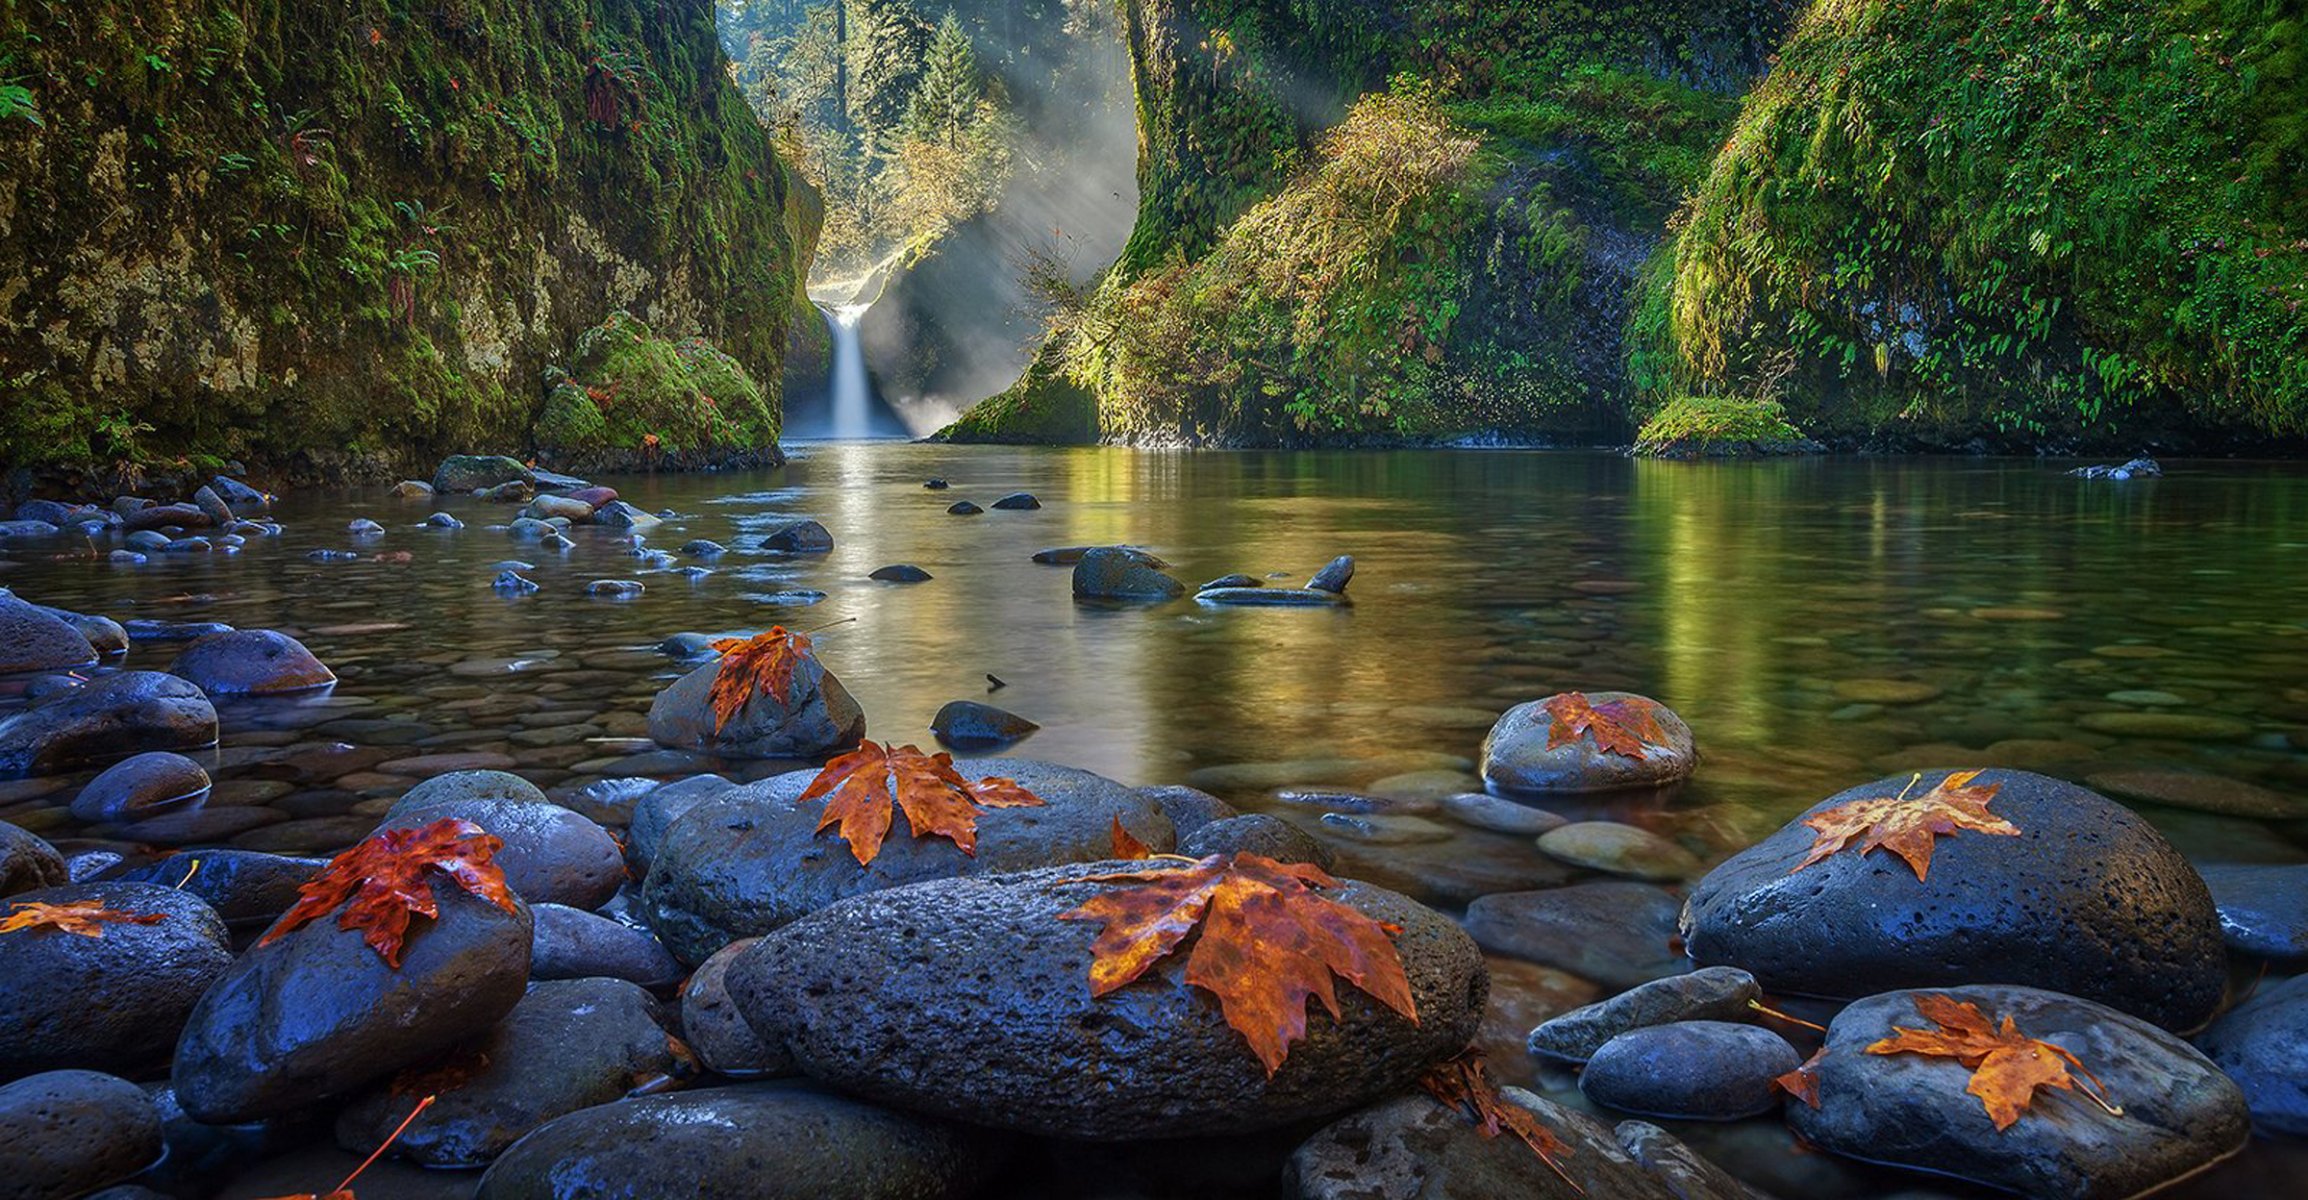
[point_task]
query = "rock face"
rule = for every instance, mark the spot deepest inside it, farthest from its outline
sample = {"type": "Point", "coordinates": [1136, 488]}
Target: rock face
{"type": "Point", "coordinates": [1708, 994]}
{"type": "Point", "coordinates": [1516, 757]}
{"type": "Point", "coordinates": [141, 786]}
{"type": "Point", "coordinates": [2180, 1113]}
{"type": "Point", "coordinates": [818, 717]}
{"type": "Point", "coordinates": [245, 1055]}
{"type": "Point", "coordinates": [114, 1002]}
{"type": "Point", "coordinates": [32, 639]}
{"type": "Point", "coordinates": [2086, 899]}
{"type": "Point", "coordinates": [969, 998]}
{"type": "Point", "coordinates": [27, 862]}
{"type": "Point", "coordinates": [756, 1141]}
{"type": "Point", "coordinates": [105, 718]}
{"type": "Point", "coordinates": [567, 1045]}
{"type": "Point", "coordinates": [1690, 1070]}
{"type": "Point", "coordinates": [1115, 573]}
{"type": "Point", "coordinates": [752, 860]}
{"type": "Point", "coordinates": [1413, 1148]}
{"type": "Point", "coordinates": [2263, 1046]}
{"type": "Point", "coordinates": [251, 662]}
{"type": "Point", "coordinates": [551, 855]}
{"type": "Point", "coordinates": [66, 1133]}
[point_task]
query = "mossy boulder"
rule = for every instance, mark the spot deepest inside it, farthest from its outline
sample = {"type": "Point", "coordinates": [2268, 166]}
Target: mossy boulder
{"type": "Point", "coordinates": [1720, 427]}
{"type": "Point", "coordinates": [631, 396]}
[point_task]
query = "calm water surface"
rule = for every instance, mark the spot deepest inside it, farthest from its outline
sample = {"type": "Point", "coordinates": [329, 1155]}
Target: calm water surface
{"type": "Point", "coordinates": [1819, 623]}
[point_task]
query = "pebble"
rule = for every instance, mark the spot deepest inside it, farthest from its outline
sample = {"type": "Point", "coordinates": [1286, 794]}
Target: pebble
{"type": "Point", "coordinates": [1499, 814]}
{"type": "Point", "coordinates": [1620, 850]}
{"type": "Point", "coordinates": [1689, 1070]}
{"type": "Point", "coordinates": [2201, 792]}
{"type": "Point", "coordinates": [615, 589]}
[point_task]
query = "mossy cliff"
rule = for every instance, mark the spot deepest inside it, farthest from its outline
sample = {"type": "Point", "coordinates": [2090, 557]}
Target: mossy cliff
{"type": "Point", "coordinates": [350, 238]}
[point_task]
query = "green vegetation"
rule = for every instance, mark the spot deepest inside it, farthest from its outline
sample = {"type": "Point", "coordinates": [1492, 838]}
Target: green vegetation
{"type": "Point", "coordinates": [1718, 426]}
{"type": "Point", "coordinates": [629, 389]}
{"type": "Point", "coordinates": [2052, 219]}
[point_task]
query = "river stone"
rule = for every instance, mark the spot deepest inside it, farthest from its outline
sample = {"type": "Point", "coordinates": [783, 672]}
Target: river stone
{"type": "Point", "coordinates": [1690, 1071]}
{"type": "Point", "coordinates": [110, 1003]}
{"type": "Point", "coordinates": [1618, 933]}
{"type": "Point", "coordinates": [245, 1055]}
{"type": "Point", "coordinates": [66, 1133]}
{"type": "Point", "coordinates": [1266, 597]}
{"type": "Point", "coordinates": [1188, 808]}
{"type": "Point", "coordinates": [1688, 1176]}
{"type": "Point", "coordinates": [817, 717]}
{"type": "Point", "coordinates": [2202, 792]}
{"type": "Point", "coordinates": [27, 529]}
{"type": "Point", "coordinates": [1334, 575]}
{"type": "Point", "coordinates": [28, 862]}
{"type": "Point", "coordinates": [2194, 727]}
{"type": "Point", "coordinates": [105, 635]}
{"type": "Point", "coordinates": [617, 514]}
{"type": "Point", "coordinates": [569, 1044]}
{"type": "Point", "coordinates": [1414, 1148]}
{"type": "Point", "coordinates": [777, 1140]}
{"type": "Point", "coordinates": [963, 508]}
{"type": "Point", "coordinates": [141, 786]}
{"type": "Point", "coordinates": [717, 1031]}
{"type": "Point", "coordinates": [2087, 899]}
{"type": "Point", "coordinates": [1500, 814]}
{"type": "Point", "coordinates": [1257, 833]}
{"type": "Point", "coordinates": [2263, 909]}
{"type": "Point", "coordinates": [245, 500]}
{"type": "Point", "coordinates": [1066, 556]}
{"type": "Point", "coordinates": [799, 537]}
{"type": "Point", "coordinates": [251, 662]}
{"type": "Point", "coordinates": [551, 855]}
{"type": "Point", "coordinates": [654, 813]}
{"type": "Point", "coordinates": [752, 859]}
{"type": "Point", "coordinates": [1515, 757]}
{"type": "Point", "coordinates": [968, 998]}
{"type": "Point", "coordinates": [2262, 1044]}
{"type": "Point", "coordinates": [570, 943]}
{"type": "Point", "coordinates": [468, 785]}
{"type": "Point", "coordinates": [545, 508]}
{"type": "Point", "coordinates": [2180, 1114]}
{"type": "Point", "coordinates": [1707, 994]}
{"type": "Point", "coordinates": [1619, 850]}
{"type": "Point", "coordinates": [1236, 580]}
{"type": "Point", "coordinates": [33, 639]}
{"type": "Point", "coordinates": [245, 887]}
{"type": "Point", "coordinates": [967, 723]}
{"type": "Point", "coordinates": [1113, 573]}
{"type": "Point", "coordinates": [106, 717]}
{"type": "Point", "coordinates": [479, 472]}
{"type": "Point", "coordinates": [1018, 502]}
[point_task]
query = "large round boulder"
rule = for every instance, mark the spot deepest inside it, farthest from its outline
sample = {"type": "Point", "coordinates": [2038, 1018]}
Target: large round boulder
{"type": "Point", "coordinates": [550, 854]}
{"type": "Point", "coordinates": [2263, 1045]}
{"type": "Point", "coordinates": [27, 862]}
{"type": "Point", "coordinates": [655, 813]}
{"type": "Point", "coordinates": [816, 716]}
{"type": "Point", "coordinates": [141, 786]}
{"type": "Point", "coordinates": [67, 1133]}
{"type": "Point", "coordinates": [251, 662]}
{"type": "Point", "coordinates": [107, 717]}
{"type": "Point", "coordinates": [1536, 747]}
{"type": "Point", "coordinates": [969, 998]}
{"type": "Point", "coordinates": [111, 998]}
{"type": "Point", "coordinates": [2086, 898]}
{"type": "Point", "coordinates": [33, 639]}
{"type": "Point", "coordinates": [753, 859]}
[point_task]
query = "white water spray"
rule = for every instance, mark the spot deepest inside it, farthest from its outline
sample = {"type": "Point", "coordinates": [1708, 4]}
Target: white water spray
{"type": "Point", "coordinates": [852, 416]}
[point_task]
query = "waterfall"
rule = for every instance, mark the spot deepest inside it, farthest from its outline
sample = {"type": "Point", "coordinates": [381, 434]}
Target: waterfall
{"type": "Point", "coordinates": [852, 409]}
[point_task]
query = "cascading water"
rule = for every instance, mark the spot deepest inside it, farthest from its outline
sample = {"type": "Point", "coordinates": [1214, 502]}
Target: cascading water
{"type": "Point", "coordinates": [852, 406]}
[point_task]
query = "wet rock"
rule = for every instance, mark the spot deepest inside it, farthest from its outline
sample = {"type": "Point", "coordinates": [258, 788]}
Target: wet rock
{"type": "Point", "coordinates": [2087, 899]}
{"type": "Point", "coordinates": [963, 508]}
{"type": "Point", "coordinates": [442, 520]}
{"type": "Point", "coordinates": [362, 527]}
{"type": "Point", "coordinates": [1229, 581]}
{"type": "Point", "coordinates": [530, 529]}
{"type": "Point", "coordinates": [2180, 726]}
{"type": "Point", "coordinates": [1689, 1070]}
{"type": "Point", "coordinates": [551, 855]}
{"type": "Point", "coordinates": [608, 801]}
{"type": "Point", "coordinates": [1385, 829]}
{"type": "Point", "coordinates": [936, 485]}
{"type": "Point", "coordinates": [2201, 792]}
{"type": "Point", "coordinates": [467, 785]}
{"type": "Point", "coordinates": [105, 635]}
{"type": "Point", "coordinates": [615, 589]}
{"type": "Point", "coordinates": [2180, 1114]}
{"type": "Point", "coordinates": [1620, 850]}
{"type": "Point", "coordinates": [1687, 1175]}
{"type": "Point", "coordinates": [141, 786]}
{"type": "Point", "coordinates": [325, 556]}
{"type": "Point", "coordinates": [901, 573]}
{"type": "Point", "coordinates": [513, 583]}
{"type": "Point", "coordinates": [569, 1044]}
{"type": "Point", "coordinates": [715, 1028]}
{"type": "Point", "coordinates": [554, 541]}
{"type": "Point", "coordinates": [969, 724]}
{"type": "Point", "coordinates": [2138, 468]}
{"type": "Point", "coordinates": [1112, 573]}
{"type": "Point", "coordinates": [1516, 757]}
{"type": "Point", "coordinates": [163, 516]}
{"type": "Point", "coordinates": [704, 548]}
{"type": "Point", "coordinates": [1499, 814]}
{"type": "Point", "coordinates": [1066, 556]}
{"type": "Point", "coordinates": [1707, 994]}
{"type": "Point", "coordinates": [751, 860]}
{"type": "Point", "coordinates": [245, 887]}
{"type": "Point", "coordinates": [66, 1133]}
{"type": "Point", "coordinates": [1334, 575]}
{"type": "Point", "coordinates": [1414, 1148]}
{"type": "Point", "coordinates": [799, 537]}
{"type": "Point", "coordinates": [28, 862]}
{"type": "Point", "coordinates": [1188, 808]}
{"type": "Point", "coordinates": [33, 639]}
{"type": "Point", "coordinates": [199, 826]}
{"type": "Point", "coordinates": [2262, 1044]}
{"type": "Point", "coordinates": [26, 530]}
{"type": "Point", "coordinates": [244, 1056]}
{"type": "Point", "coordinates": [111, 1003]}
{"type": "Point", "coordinates": [617, 514]}
{"type": "Point", "coordinates": [817, 716]}
{"type": "Point", "coordinates": [175, 631]}
{"type": "Point", "coordinates": [545, 508]}
{"type": "Point", "coordinates": [146, 539]}
{"type": "Point", "coordinates": [109, 716]}
{"type": "Point", "coordinates": [125, 558]}
{"type": "Point", "coordinates": [1018, 502]}
{"type": "Point", "coordinates": [1618, 933]}
{"type": "Point", "coordinates": [2263, 909]}
{"type": "Point", "coordinates": [245, 500]}
{"type": "Point", "coordinates": [479, 472]}
{"type": "Point", "coordinates": [1267, 597]}
{"type": "Point", "coordinates": [654, 813]}
{"type": "Point", "coordinates": [982, 1014]}
{"type": "Point", "coordinates": [411, 489]}
{"type": "Point", "coordinates": [251, 662]}
{"type": "Point", "coordinates": [755, 1141]}
{"type": "Point", "coordinates": [1256, 833]}
{"type": "Point", "coordinates": [573, 944]}
{"type": "Point", "coordinates": [218, 512]}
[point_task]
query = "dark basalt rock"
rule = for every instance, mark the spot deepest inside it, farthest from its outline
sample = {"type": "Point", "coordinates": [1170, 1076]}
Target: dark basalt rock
{"type": "Point", "coordinates": [28, 862]}
{"type": "Point", "coordinates": [2263, 1045]}
{"type": "Point", "coordinates": [963, 508]}
{"type": "Point", "coordinates": [1257, 833]}
{"type": "Point", "coordinates": [2180, 1114]}
{"type": "Point", "coordinates": [180, 631]}
{"type": "Point", "coordinates": [654, 813]}
{"type": "Point", "coordinates": [550, 856]}
{"type": "Point", "coordinates": [160, 516]}
{"type": "Point", "coordinates": [717, 1031]}
{"type": "Point", "coordinates": [66, 1133]}
{"type": "Point", "coordinates": [251, 662]}
{"type": "Point", "coordinates": [1690, 1070]}
{"type": "Point", "coordinates": [967, 723]}
{"type": "Point", "coordinates": [34, 639]}
{"type": "Point", "coordinates": [799, 537]}
{"type": "Point", "coordinates": [245, 887]}
{"type": "Point", "coordinates": [1413, 1148]}
{"type": "Point", "coordinates": [1113, 573]}
{"type": "Point", "coordinates": [2263, 909]}
{"type": "Point", "coordinates": [569, 1044]}
{"type": "Point", "coordinates": [142, 786]}
{"type": "Point", "coordinates": [1018, 502]}
{"type": "Point", "coordinates": [1618, 934]}
{"type": "Point", "coordinates": [1516, 757]}
{"type": "Point", "coordinates": [1334, 575]}
{"type": "Point", "coordinates": [818, 716]}
{"type": "Point", "coordinates": [1267, 597]}
{"type": "Point", "coordinates": [107, 717]}
{"type": "Point", "coordinates": [1708, 994]}
{"type": "Point", "coordinates": [2087, 899]}
{"type": "Point", "coordinates": [1189, 808]}
{"type": "Point", "coordinates": [901, 573]}
{"type": "Point", "coordinates": [571, 943]}
{"type": "Point", "coordinates": [751, 860]}
{"type": "Point", "coordinates": [1686, 1174]}
{"type": "Point", "coordinates": [968, 998]}
{"type": "Point", "coordinates": [1066, 556]}
{"type": "Point", "coordinates": [111, 1003]}
{"type": "Point", "coordinates": [755, 1141]}
{"type": "Point", "coordinates": [105, 636]}
{"type": "Point", "coordinates": [246, 1056]}
{"type": "Point", "coordinates": [245, 500]}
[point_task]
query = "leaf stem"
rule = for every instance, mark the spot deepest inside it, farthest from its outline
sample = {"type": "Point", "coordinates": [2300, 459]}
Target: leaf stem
{"type": "Point", "coordinates": [379, 1152]}
{"type": "Point", "coordinates": [1790, 1018]}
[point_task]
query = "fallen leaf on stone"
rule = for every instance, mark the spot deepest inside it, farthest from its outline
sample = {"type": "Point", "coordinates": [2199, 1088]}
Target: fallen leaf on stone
{"type": "Point", "coordinates": [1802, 1083]}
{"type": "Point", "coordinates": [1269, 941]}
{"type": "Point", "coordinates": [936, 798]}
{"type": "Point", "coordinates": [1907, 827]}
{"type": "Point", "coordinates": [84, 917]}
{"type": "Point", "coordinates": [384, 880]}
{"type": "Point", "coordinates": [1621, 727]}
{"type": "Point", "coordinates": [1464, 1085]}
{"type": "Point", "coordinates": [1126, 846]}
{"type": "Point", "coordinates": [764, 663]}
{"type": "Point", "coordinates": [2006, 1065]}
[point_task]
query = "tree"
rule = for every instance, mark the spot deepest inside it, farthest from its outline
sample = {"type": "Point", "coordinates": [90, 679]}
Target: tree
{"type": "Point", "coordinates": [887, 40]}
{"type": "Point", "coordinates": [946, 102]}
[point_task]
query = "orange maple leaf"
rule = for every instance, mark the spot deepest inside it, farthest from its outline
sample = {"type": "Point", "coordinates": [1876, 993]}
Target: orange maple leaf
{"type": "Point", "coordinates": [1126, 845]}
{"type": "Point", "coordinates": [384, 880]}
{"type": "Point", "coordinates": [1907, 827]}
{"type": "Point", "coordinates": [2006, 1065]}
{"type": "Point", "coordinates": [1464, 1085]}
{"type": "Point", "coordinates": [1268, 941]}
{"type": "Point", "coordinates": [762, 664]}
{"type": "Point", "coordinates": [936, 798]}
{"type": "Point", "coordinates": [1803, 1082]}
{"type": "Point", "coordinates": [84, 917]}
{"type": "Point", "coordinates": [1621, 727]}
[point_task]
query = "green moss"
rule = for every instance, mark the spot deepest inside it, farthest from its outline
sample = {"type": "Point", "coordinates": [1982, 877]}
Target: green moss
{"type": "Point", "coordinates": [628, 388]}
{"type": "Point", "coordinates": [1718, 426]}
{"type": "Point", "coordinates": [1044, 408]}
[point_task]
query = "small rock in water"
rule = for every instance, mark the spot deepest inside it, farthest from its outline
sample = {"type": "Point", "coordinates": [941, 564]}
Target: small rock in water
{"type": "Point", "coordinates": [901, 573]}
{"type": "Point", "coordinates": [545, 508]}
{"type": "Point", "coordinates": [212, 504]}
{"type": "Point", "coordinates": [1229, 581]}
{"type": "Point", "coordinates": [969, 724]}
{"type": "Point", "coordinates": [412, 489]}
{"type": "Point", "coordinates": [1385, 830]}
{"type": "Point", "coordinates": [704, 548]}
{"type": "Point", "coordinates": [1619, 850]}
{"type": "Point", "coordinates": [936, 485]}
{"type": "Point", "coordinates": [1018, 502]}
{"type": "Point", "coordinates": [513, 583]}
{"type": "Point", "coordinates": [154, 782]}
{"type": "Point", "coordinates": [191, 545]}
{"type": "Point", "coordinates": [1270, 597]}
{"type": "Point", "coordinates": [555, 541]}
{"type": "Point", "coordinates": [963, 508]}
{"type": "Point", "coordinates": [1066, 556]}
{"type": "Point", "coordinates": [799, 537]}
{"type": "Point", "coordinates": [1499, 814]}
{"type": "Point", "coordinates": [2263, 909]}
{"type": "Point", "coordinates": [1334, 575]}
{"type": "Point", "coordinates": [512, 491]}
{"type": "Point", "coordinates": [128, 558]}
{"type": "Point", "coordinates": [615, 589]}
{"type": "Point", "coordinates": [333, 555]}
{"type": "Point", "coordinates": [617, 514]}
{"type": "Point", "coordinates": [479, 472]}
{"type": "Point", "coordinates": [1690, 1070]}
{"type": "Point", "coordinates": [2138, 468]}
{"type": "Point", "coordinates": [1618, 933]}
{"type": "Point", "coordinates": [1114, 573]}
{"type": "Point", "coordinates": [442, 520]}
{"type": "Point", "coordinates": [363, 527]}
{"type": "Point", "coordinates": [251, 662]}
{"type": "Point", "coordinates": [1707, 994]}
{"type": "Point", "coordinates": [1521, 753]}
{"type": "Point", "coordinates": [687, 646]}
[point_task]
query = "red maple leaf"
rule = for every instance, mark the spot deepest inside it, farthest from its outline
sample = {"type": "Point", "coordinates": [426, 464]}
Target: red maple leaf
{"type": "Point", "coordinates": [385, 880]}
{"type": "Point", "coordinates": [936, 798]}
{"type": "Point", "coordinates": [1622, 727]}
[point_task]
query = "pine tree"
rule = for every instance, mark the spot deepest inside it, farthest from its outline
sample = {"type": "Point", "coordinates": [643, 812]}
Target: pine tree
{"type": "Point", "coordinates": [945, 104]}
{"type": "Point", "coordinates": [885, 46]}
